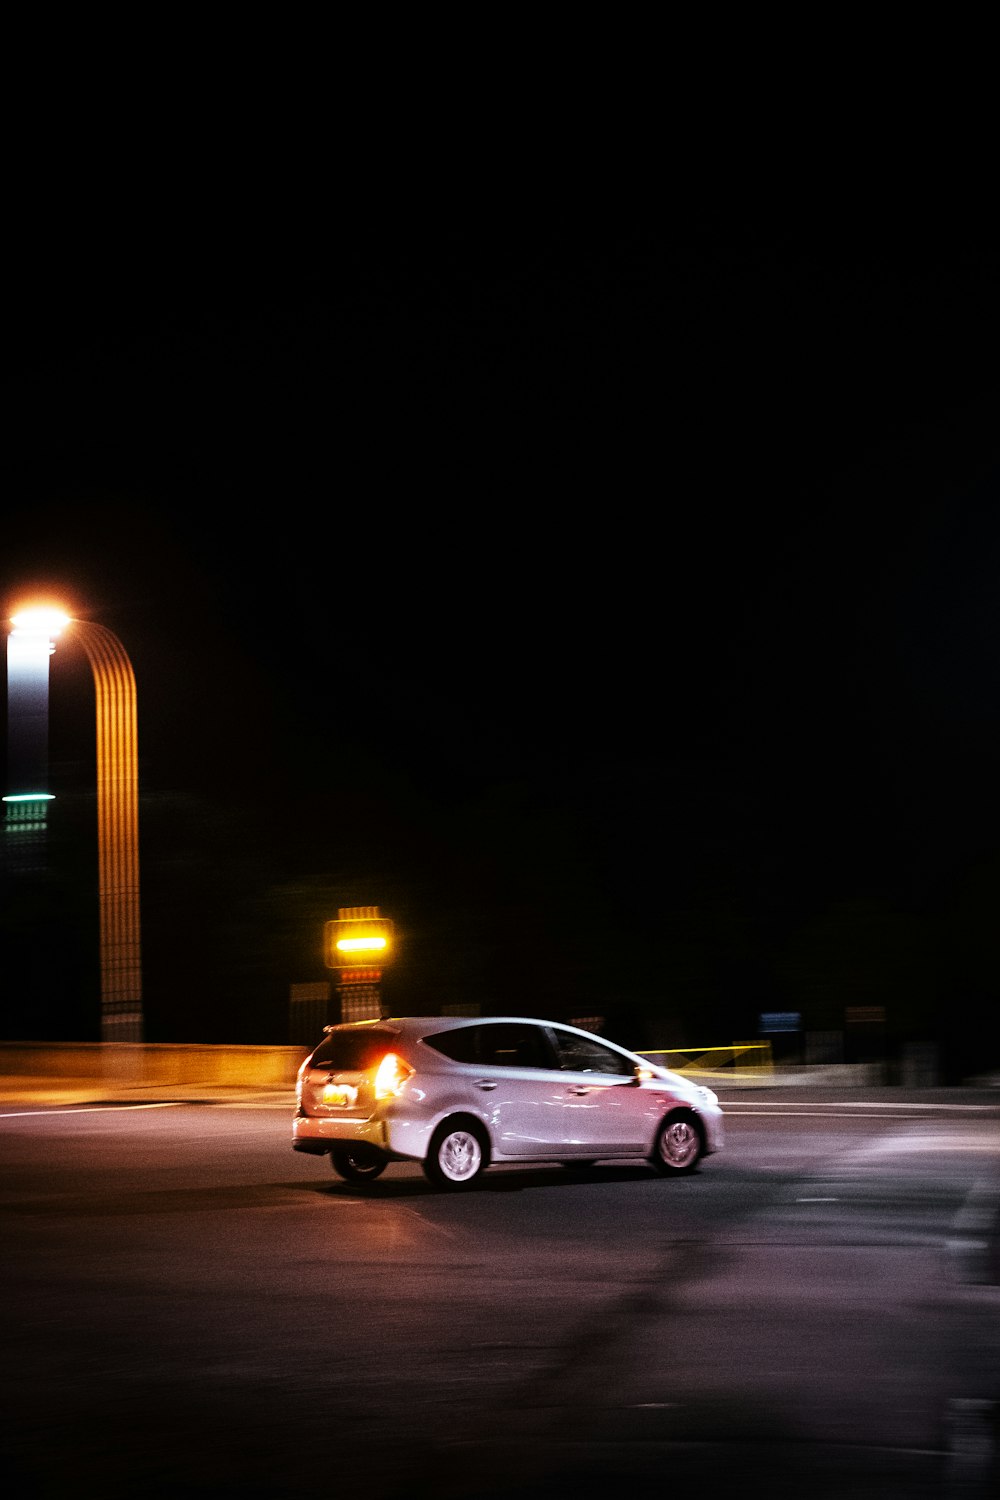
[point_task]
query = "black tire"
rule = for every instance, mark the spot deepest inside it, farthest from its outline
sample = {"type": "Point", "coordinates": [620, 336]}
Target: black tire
{"type": "Point", "coordinates": [458, 1155]}
{"type": "Point", "coordinates": [358, 1163]}
{"type": "Point", "coordinates": [679, 1144]}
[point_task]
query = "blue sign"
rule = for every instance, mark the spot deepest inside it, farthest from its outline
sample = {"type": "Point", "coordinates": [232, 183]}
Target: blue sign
{"type": "Point", "coordinates": [780, 1020]}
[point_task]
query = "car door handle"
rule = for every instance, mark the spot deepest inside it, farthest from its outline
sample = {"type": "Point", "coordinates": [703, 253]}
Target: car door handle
{"type": "Point", "coordinates": [485, 1083]}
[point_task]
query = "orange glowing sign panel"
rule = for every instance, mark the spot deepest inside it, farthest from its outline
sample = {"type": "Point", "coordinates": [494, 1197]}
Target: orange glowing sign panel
{"type": "Point", "coordinates": [350, 941]}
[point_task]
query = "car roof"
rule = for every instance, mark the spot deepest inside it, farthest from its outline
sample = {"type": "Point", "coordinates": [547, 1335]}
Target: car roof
{"type": "Point", "coordinates": [418, 1024]}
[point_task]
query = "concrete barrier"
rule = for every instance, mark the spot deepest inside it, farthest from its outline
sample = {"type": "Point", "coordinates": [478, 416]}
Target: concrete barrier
{"type": "Point", "coordinates": [152, 1065]}
{"type": "Point", "coordinates": [135, 1065]}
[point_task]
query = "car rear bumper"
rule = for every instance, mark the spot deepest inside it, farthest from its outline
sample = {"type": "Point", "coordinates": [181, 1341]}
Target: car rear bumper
{"type": "Point", "coordinates": [398, 1134]}
{"type": "Point", "coordinates": [312, 1134]}
{"type": "Point", "coordinates": [310, 1146]}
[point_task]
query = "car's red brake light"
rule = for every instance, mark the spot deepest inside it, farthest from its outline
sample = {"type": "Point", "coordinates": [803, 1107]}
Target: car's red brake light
{"type": "Point", "coordinates": [391, 1075]}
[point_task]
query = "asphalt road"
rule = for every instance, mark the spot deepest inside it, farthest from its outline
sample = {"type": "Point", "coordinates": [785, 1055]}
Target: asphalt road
{"type": "Point", "coordinates": [192, 1309]}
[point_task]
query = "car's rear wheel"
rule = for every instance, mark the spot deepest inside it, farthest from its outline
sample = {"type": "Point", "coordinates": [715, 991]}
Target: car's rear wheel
{"type": "Point", "coordinates": [458, 1155]}
{"type": "Point", "coordinates": [679, 1144]}
{"type": "Point", "coordinates": [358, 1163]}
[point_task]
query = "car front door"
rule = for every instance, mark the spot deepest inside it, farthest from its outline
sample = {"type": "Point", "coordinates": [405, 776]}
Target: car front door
{"type": "Point", "coordinates": [602, 1109]}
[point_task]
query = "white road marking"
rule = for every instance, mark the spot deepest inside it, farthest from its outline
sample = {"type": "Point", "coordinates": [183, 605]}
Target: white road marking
{"type": "Point", "coordinates": [809, 1114]}
{"type": "Point", "coordinates": [91, 1109]}
{"type": "Point", "coordinates": [796, 1105]}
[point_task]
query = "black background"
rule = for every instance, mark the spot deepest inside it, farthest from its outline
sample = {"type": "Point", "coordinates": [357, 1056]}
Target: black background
{"type": "Point", "coordinates": [612, 602]}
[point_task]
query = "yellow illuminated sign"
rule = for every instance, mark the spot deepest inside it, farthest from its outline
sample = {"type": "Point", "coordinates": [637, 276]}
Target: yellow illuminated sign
{"type": "Point", "coordinates": [362, 939]}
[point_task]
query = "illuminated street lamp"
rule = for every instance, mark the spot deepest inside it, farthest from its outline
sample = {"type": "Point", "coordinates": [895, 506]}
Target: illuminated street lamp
{"type": "Point", "coordinates": [29, 647]}
{"type": "Point", "coordinates": [32, 641]}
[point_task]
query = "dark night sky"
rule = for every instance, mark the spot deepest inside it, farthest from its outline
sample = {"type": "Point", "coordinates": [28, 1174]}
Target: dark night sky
{"type": "Point", "coordinates": [616, 610]}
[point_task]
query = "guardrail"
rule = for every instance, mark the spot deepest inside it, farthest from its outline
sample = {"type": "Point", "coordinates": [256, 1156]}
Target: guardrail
{"type": "Point", "coordinates": [144, 1065]}
{"type": "Point", "coordinates": [153, 1064]}
{"type": "Point", "coordinates": [742, 1059]}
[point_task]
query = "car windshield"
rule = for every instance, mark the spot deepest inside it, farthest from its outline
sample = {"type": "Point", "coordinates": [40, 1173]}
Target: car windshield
{"type": "Point", "coordinates": [352, 1051]}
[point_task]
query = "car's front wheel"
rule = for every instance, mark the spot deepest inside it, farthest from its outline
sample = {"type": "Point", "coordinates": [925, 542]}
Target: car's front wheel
{"type": "Point", "coordinates": [458, 1155]}
{"type": "Point", "coordinates": [679, 1144]}
{"type": "Point", "coordinates": [358, 1163]}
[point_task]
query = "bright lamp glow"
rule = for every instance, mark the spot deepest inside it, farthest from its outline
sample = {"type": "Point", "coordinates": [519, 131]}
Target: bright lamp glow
{"type": "Point", "coordinates": [360, 944]}
{"type": "Point", "coordinates": [392, 1074]}
{"type": "Point", "coordinates": [43, 622]}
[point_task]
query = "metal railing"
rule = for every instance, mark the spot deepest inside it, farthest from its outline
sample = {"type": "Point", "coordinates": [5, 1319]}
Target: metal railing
{"type": "Point", "coordinates": [750, 1059]}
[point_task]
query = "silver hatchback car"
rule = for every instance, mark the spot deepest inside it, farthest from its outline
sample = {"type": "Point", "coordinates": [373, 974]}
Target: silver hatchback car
{"type": "Point", "coordinates": [457, 1094]}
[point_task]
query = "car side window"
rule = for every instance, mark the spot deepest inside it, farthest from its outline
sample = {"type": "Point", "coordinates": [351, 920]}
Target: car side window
{"type": "Point", "coordinates": [511, 1045]}
{"type": "Point", "coordinates": [461, 1045]}
{"type": "Point", "coordinates": [504, 1044]}
{"type": "Point", "coordinates": [578, 1054]}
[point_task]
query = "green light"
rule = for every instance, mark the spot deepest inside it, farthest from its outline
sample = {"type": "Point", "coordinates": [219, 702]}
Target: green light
{"type": "Point", "coordinates": [30, 797]}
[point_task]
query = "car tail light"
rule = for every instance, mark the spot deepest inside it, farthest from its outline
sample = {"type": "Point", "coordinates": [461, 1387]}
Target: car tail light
{"type": "Point", "coordinates": [391, 1075]}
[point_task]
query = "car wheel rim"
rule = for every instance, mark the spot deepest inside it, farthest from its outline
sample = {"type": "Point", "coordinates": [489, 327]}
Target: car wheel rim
{"type": "Point", "coordinates": [460, 1156]}
{"type": "Point", "coordinates": [679, 1144]}
{"type": "Point", "coordinates": [363, 1167]}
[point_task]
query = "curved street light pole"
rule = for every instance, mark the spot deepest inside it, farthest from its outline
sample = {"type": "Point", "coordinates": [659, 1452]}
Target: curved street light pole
{"type": "Point", "coordinates": [117, 821]}
{"type": "Point", "coordinates": [117, 833]}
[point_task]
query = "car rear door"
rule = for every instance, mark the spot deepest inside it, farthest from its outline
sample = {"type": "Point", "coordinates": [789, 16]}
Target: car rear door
{"type": "Point", "coordinates": [516, 1070]}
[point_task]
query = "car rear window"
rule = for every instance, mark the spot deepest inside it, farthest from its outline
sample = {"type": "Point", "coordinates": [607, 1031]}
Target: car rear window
{"type": "Point", "coordinates": [353, 1051]}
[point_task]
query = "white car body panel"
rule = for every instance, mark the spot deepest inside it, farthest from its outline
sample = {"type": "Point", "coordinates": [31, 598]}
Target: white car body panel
{"type": "Point", "coordinates": [529, 1113]}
